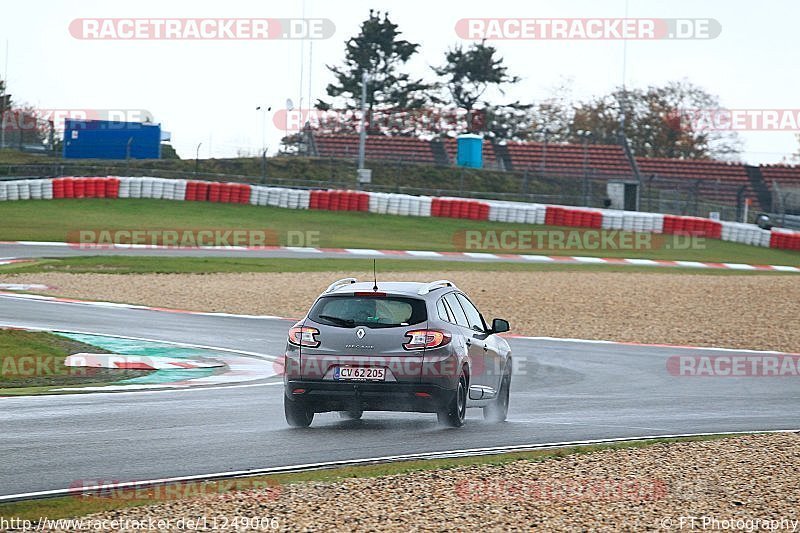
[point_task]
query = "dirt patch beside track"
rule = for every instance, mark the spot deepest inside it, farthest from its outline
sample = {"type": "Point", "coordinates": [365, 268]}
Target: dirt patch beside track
{"type": "Point", "coordinates": [721, 483]}
{"type": "Point", "coordinates": [757, 312]}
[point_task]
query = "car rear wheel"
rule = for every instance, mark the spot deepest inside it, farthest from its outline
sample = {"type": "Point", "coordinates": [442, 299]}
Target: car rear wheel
{"type": "Point", "coordinates": [298, 414]}
{"type": "Point", "coordinates": [497, 411]}
{"type": "Point", "coordinates": [456, 410]}
{"type": "Point", "coordinates": [351, 414]}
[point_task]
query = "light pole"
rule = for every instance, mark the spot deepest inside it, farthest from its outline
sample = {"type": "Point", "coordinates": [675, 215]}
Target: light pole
{"type": "Point", "coordinates": [264, 112]}
{"type": "Point", "coordinates": [585, 136]}
{"type": "Point", "coordinates": [197, 157]}
{"type": "Point", "coordinates": [361, 173]}
{"type": "Point", "coordinates": [264, 165]}
{"type": "Point", "coordinates": [362, 134]}
{"type": "Point", "coordinates": [264, 139]}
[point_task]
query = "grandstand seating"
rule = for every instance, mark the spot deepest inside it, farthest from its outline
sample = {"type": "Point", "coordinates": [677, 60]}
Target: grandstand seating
{"type": "Point", "coordinates": [712, 180]}
{"type": "Point", "coordinates": [569, 159]}
{"type": "Point", "coordinates": [784, 175]}
{"type": "Point", "coordinates": [408, 149]}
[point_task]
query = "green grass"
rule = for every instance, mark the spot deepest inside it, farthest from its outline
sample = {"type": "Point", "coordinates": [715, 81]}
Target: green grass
{"type": "Point", "coordinates": [197, 265]}
{"type": "Point", "coordinates": [57, 220]}
{"type": "Point", "coordinates": [78, 505]}
{"type": "Point", "coordinates": [15, 157]}
{"type": "Point", "coordinates": [32, 362]}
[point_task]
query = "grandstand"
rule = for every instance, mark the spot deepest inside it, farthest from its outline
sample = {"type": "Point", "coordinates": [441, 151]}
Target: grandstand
{"type": "Point", "coordinates": [718, 182]}
{"type": "Point", "coordinates": [785, 176]}
{"type": "Point", "coordinates": [597, 160]}
{"type": "Point", "coordinates": [784, 184]}
{"type": "Point", "coordinates": [377, 147]}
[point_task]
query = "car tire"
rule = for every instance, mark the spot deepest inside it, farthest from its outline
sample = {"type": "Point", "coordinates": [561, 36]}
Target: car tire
{"type": "Point", "coordinates": [453, 414]}
{"type": "Point", "coordinates": [497, 411]}
{"type": "Point", "coordinates": [351, 415]}
{"type": "Point", "coordinates": [298, 414]}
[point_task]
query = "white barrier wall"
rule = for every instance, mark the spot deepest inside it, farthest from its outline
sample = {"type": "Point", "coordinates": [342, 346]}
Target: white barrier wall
{"type": "Point", "coordinates": [398, 204]}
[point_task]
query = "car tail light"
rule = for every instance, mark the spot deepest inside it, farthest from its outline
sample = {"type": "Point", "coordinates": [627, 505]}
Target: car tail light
{"type": "Point", "coordinates": [419, 339]}
{"type": "Point", "coordinates": [304, 336]}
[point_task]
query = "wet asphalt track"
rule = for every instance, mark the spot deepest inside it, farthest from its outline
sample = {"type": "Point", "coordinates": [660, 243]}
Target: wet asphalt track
{"type": "Point", "coordinates": [568, 391]}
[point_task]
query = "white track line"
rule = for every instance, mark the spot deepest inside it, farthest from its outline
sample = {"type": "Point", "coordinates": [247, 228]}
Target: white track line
{"type": "Point", "coordinates": [466, 452]}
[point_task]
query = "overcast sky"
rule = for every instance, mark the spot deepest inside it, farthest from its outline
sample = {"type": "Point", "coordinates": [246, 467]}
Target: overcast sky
{"type": "Point", "coordinates": [207, 91]}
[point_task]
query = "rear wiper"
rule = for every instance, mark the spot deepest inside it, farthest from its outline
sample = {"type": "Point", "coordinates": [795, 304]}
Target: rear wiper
{"type": "Point", "coordinates": [339, 320]}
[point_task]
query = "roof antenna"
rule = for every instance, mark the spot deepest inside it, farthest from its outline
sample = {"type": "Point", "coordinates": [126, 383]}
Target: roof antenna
{"type": "Point", "coordinates": [374, 276]}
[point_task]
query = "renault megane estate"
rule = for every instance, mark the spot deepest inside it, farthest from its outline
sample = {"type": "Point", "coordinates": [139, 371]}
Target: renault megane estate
{"type": "Point", "coordinates": [400, 346]}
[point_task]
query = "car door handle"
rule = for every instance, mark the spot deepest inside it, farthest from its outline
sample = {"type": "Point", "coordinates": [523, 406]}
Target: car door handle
{"type": "Point", "coordinates": [469, 342]}
{"type": "Point", "coordinates": [485, 348]}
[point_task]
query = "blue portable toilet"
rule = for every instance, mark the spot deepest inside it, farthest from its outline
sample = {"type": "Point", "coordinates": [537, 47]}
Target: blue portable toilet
{"type": "Point", "coordinates": [109, 139]}
{"type": "Point", "coordinates": [470, 150]}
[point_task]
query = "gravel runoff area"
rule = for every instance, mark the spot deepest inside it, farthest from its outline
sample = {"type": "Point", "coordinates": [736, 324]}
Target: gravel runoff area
{"type": "Point", "coordinates": [737, 311]}
{"type": "Point", "coordinates": [747, 483]}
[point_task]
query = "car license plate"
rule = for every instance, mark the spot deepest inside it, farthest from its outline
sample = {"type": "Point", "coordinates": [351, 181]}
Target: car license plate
{"type": "Point", "coordinates": [359, 373]}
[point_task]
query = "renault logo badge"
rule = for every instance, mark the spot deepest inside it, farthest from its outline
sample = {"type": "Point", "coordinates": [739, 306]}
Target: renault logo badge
{"type": "Point", "coordinates": [360, 333]}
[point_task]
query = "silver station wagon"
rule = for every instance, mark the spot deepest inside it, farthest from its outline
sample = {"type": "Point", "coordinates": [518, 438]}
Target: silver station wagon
{"type": "Point", "coordinates": [400, 346]}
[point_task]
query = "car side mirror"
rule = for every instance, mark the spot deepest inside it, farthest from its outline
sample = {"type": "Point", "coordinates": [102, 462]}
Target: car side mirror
{"type": "Point", "coordinates": [499, 325]}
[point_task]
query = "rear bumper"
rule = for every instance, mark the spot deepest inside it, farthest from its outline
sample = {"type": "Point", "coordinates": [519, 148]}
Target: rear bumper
{"type": "Point", "coordinates": [323, 396]}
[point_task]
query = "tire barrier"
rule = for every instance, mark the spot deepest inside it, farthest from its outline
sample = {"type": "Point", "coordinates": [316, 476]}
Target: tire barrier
{"type": "Point", "coordinates": [399, 204]}
{"type": "Point", "coordinates": [393, 204]}
{"type": "Point", "coordinates": [35, 189]}
{"type": "Point", "coordinates": [334, 200]}
{"type": "Point", "coordinates": [459, 208]}
{"type": "Point", "coordinates": [108, 187]}
{"type": "Point", "coordinates": [517, 212]}
{"type": "Point", "coordinates": [784, 240]}
{"type": "Point", "coordinates": [196, 191]}
{"type": "Point", "coordinates": [565, 216]}
{"type": "Point", "coordinates": [745, 234]}
{"type": "Point", "coordinates": [229, 193]}
{"type": "Point", "coordinates": [280, 197]}
{"type": "Point", "coordinates": [703, 227]}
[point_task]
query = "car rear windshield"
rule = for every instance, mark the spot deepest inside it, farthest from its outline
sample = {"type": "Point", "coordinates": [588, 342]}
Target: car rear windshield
{"type": "Point", "coordinates": [349, 311]}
